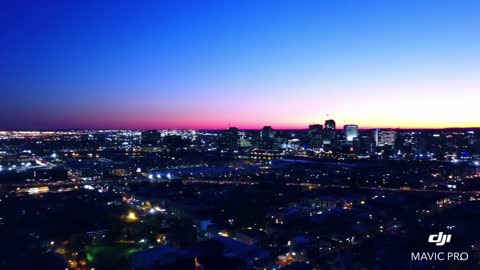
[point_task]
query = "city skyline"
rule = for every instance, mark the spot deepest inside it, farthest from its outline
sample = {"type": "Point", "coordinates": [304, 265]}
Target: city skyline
{"type": "Point", "coordinates": [190, 65]}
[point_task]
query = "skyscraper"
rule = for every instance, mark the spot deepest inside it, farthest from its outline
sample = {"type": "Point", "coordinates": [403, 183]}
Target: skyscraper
{"type": "Point", "coordinates": [330, 124]}
{"type": "Point", "coordinates": [267, 137]}
{"type": "Point", "coordinates": [229, 140]}
{"type": "Point", "coordinates": [351, 132]}
{"type": "Point", "coordinates": [315, 135]}
{"type": "Point", "coordinates": [329, 132]}
{"type": "Point", "coordinates": [267, 133]}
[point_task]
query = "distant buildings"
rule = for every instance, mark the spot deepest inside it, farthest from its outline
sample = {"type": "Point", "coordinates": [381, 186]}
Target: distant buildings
{"type": "Point", "coordinates": [316, 141]}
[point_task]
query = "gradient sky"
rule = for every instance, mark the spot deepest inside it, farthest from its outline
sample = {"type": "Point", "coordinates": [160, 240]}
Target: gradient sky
{"type": "Point", "coordinates": [203, 64]}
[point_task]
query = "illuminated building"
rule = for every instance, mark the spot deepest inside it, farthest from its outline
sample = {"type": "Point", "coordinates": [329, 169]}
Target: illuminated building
{"type": "Point", "coordinates": [351, 132]}
{"type": "Point", "coordinates": [121, 172]}
{"type": "Point", "coordinates": [132, 216]}
{"type": "Point", "coordinates": [33, 190]}
{"type": "Point", "coordinates": [384, 137]}
{"type": "Point", "coordinates": [265, 155]}
{"type": "Point", "coordinates": [244, 140]}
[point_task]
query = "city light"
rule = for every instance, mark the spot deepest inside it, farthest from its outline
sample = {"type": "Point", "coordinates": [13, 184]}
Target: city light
{"type": "Point", "coordinates": [224, 234]}
{"type": "Point", "coordinates": [132, 216]}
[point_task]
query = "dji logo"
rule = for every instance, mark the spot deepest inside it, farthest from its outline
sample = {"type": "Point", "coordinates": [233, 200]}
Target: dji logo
{"type": "Point", "coordinates": [439, 239]}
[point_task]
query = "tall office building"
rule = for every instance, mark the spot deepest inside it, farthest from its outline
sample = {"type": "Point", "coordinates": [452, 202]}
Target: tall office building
{"type": "Point", "coordinates": [267, 133]}
{"type": "Point", "coordinates": [229, 139]}
{"type": "Point", "coordinates": [329, 132]}
{"type": "Point", "coordinates": [330, 124]}
{"type": "Point", "coordinates": [267, 137]}
{"type": "Point", "coordinates": [315, 135]}
{"type": "Point", "coordinates": [351, 132]}
{"type": "Point", "coordinates": [367, 143]}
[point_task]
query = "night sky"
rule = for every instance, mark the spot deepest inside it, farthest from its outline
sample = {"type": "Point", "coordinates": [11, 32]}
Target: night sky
{"type": "Point", "coordinates": [205, 64]}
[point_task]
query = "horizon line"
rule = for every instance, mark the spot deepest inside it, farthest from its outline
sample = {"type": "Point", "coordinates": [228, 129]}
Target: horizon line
{"type": "Point", "coordinates": [219, 129]}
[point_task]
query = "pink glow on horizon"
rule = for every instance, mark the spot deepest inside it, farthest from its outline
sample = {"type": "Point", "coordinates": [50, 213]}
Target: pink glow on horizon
{"type": "Point", "coordinates": [425, 105]}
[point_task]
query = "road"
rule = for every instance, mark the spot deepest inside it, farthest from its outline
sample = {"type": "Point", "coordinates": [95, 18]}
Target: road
{"type": "Point", "coordinates": [79, 182]}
